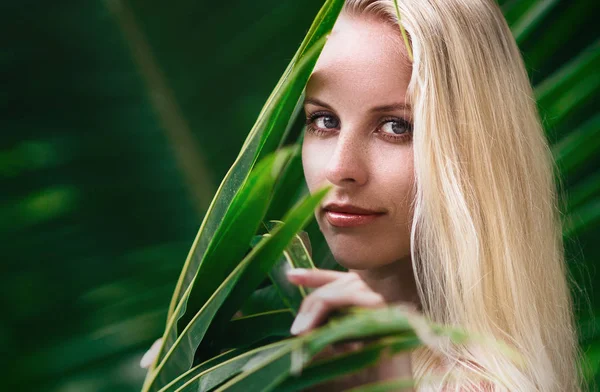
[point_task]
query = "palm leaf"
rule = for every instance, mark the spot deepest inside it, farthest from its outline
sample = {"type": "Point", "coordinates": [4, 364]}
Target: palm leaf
{"type": "Point", "coordinates": [270, 371]}
{"type": "Point", "coordinates": [296, 255]}
{"type": "Point", "coordinates": [242, 281]}
{"type": "Point", "coordinates": [220, 368]}
{"type": "Point", "coordinates": [232, 237]}
{"type": "Point", "coordinates": [394, 385]}
{"type": "Point", "coordinates": [570, 87]}
{"type": "Point", "coordinates": [341, 364]}
{"type": "Point", "coordinates": [265, 135]}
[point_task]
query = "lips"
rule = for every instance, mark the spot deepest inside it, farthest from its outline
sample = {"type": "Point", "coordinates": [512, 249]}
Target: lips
{"type": "Point", "coordinates": [347, 215]}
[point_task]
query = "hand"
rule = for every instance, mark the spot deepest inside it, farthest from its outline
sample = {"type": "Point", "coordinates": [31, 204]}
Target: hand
{"type": "Point", "coordinates": [335, 289]}
{"type": "Point", "coordinates": [151, 354]}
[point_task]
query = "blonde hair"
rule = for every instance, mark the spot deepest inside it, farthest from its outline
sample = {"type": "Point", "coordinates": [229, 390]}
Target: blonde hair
{"type": "Point", "coordinates": [486, 238]}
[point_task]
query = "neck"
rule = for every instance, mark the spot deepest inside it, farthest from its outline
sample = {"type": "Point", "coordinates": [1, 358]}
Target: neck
{"type": "Point", "coordinates": [394, 281]}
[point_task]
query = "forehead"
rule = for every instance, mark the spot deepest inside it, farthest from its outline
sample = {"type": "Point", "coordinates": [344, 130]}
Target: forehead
{"type": "Point", "coordinates": [362, 53]}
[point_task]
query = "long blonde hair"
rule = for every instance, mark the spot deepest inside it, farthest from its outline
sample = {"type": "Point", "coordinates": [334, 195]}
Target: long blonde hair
{"type": "Point", "coordinates": [486, 238]}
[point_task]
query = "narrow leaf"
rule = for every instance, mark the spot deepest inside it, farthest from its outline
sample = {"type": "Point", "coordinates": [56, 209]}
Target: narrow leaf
{"type": "Point", "coordinates": [294, 221]}
{"type": "Point", "coordinates": [263, 300]}
{"type": "Point", "coordinates": [277, 110]}
{"type": "Point", "coordinates": [229, 294]}
{"type": "Point", "coordinates": [577, 148]}
{"type": "Point", "coordinates": [232, 237]}
{"type": "Point", "coordinates": [583, 218]}
{"type": "Point", "coordinates": [296, 255]}
{"type": "Point", "coordinates": [583, 191]}
{"type": "Point", "coordinates": [247, 330]}
{"type": "Point", "coordinates": [292, 358]}
{"type": "Point", "coordinates": [210, 374]}
{"type": "Point", "coordinates": [531, 18]}
{"type": "Point", "coordinates": [349, 362]}
{"type": "Point", "coordinates": [383, 386]}
{"type": "Point", "coordinates": [570, 87]}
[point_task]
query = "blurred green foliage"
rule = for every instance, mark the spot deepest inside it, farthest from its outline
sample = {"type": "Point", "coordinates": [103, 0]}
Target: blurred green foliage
{"type": "Point", "coordinates": [120, 118]}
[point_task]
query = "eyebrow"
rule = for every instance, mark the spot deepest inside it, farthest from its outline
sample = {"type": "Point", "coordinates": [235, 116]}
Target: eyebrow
{"type": "Point", "coordinates": [376, 109]}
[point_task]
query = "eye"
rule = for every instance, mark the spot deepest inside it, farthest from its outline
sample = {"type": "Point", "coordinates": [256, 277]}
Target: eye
{"type": "Point", "coordinates": [322, 123]}
{"type": "Point", "coordinates": [326, 122]}
{"type": "Point", "coordinates": [396, 127]}
{"type": "Point", "coordinates": [397, 130]}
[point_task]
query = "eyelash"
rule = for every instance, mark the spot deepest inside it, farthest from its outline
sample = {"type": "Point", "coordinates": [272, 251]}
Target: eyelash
{"type": "Point", "coordinates": [310, 119]}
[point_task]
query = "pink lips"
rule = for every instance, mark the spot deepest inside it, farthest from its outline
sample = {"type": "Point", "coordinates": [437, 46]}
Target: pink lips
{"type": "Point", "coordinates": [345, 215]}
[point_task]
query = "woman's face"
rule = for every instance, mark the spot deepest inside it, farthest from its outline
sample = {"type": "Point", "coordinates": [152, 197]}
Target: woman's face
{"type": "Point", "coordinates": [361, 141]}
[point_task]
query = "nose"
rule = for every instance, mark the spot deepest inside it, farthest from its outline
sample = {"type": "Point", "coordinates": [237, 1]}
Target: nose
{"type": "Point", "coordinates": [348, 165]}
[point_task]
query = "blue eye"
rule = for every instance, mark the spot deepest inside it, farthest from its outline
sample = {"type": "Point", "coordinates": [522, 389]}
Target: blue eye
{"type": "Point", "coordinates": [396, 127]}
{"type": "Point", "coordinates": [322, 120]}
{"type": "Point", "coordinates": [393, 129]}
{"type": "Point", "coordinates": [327, 122]}
{"type": "Point", "coordinates": [321, 123]}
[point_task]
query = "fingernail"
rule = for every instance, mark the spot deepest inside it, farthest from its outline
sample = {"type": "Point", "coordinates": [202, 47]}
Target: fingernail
{"type": "Point", "coordinates": [300, 323]}
{"type": "Point", "coordinates": [146, 359]}
{"type": "Point", "coordinates": [151, 354]}
{"type": "Point", "coordinates": [296, 272]}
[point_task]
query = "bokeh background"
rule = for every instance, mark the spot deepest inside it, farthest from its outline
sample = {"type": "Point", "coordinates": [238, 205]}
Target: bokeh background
{"type": "Point", "coordinates": [119, 118]}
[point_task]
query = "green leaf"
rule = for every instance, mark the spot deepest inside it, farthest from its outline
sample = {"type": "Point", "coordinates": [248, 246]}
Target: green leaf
{"type": "Point", "coordinates": [206, 365]}
{"type": "Point", "coordinates": [230, 294]}
{"type": "Point", "coordinates": [345, 363]}
{"type": "Point", "coordinates": [592, 362]}
{"type": "Point", "coordinates": [382, 386]}
{"type": "Point", "coordinates": [231, 239]}
{"type": "Point", "coordinates": [529, 18]}
{"type": "Point", "coordinates": [577, 148]}
{"type": "Point", "coordinates": [292, 358]}
{"type": "Point", "coordinates": [213, 372]}
{"type": "Point", "coordinates": [264, 137]}
{"type": "Point", "coordinates": [262, 300]}
{"type": "Point", "coordinates": [247, 330]}
{"type": "Point", "coordinates": [288, 186]}
{"type": "Point", "coordinates": [296, 255]}
{"type": "Point", "coordinates": [232, 236]}
{"type": "Point", "coordinates": [255, 275]}
{"type": "Point", "coordinates": [583, 218]}
{"type": "Point", "coordinates": [549, 41]}
{"type": "Point", "coordinates": [570, 87]}
{"type": "Point", "coordinates": [199, 293]}
{"type": "Point", "coordinates": [583, 191]}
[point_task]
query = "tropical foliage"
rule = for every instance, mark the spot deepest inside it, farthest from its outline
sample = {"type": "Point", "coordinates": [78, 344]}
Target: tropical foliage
{"type": "Point", "coordinates": [114, 139]}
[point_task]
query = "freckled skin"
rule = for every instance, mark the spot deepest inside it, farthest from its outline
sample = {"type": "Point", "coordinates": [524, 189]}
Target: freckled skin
{"type": "Point", "coordinates": [363, 64]}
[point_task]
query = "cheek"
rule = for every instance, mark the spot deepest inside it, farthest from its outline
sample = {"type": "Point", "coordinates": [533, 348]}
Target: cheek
{"type": "Point", "coordinates": [396, 178]}
{"type": "Point", "coordinates": [394, 184]}
{"type": "Point", "coordinates": [313, 163]}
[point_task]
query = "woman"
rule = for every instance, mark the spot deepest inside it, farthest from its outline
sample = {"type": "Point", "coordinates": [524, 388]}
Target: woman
{"type": "Point", "coordinates": [443, 188]}
{"type": "Point", "coordinates": [443, 192]}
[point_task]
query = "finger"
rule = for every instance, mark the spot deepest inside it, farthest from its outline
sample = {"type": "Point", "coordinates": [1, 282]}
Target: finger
{"type": "Point", "coordinates": [307, 320]}
{"type": "Point", "coordinates": [322, 303]}
{"type": "Point", "coordinates": [336, 286]}
{"type": "Point", "coordinates": [151, 354]}
{"type": "Point", "coordinates": [317, 313]}
{"type": "Point", "coordinates": [348, 297]}
{"type": "Point", "coordinates": [313, 277]}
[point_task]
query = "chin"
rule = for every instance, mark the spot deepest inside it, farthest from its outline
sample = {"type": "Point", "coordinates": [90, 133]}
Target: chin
{"type": "Point", "coordinates": [366, 253]}
{"type": "Point", "coordinates": [361, 250]}
{"type": "Point", "coordinates": [359, 259]}
{"type": "Point", "coordinates": [352, 262]}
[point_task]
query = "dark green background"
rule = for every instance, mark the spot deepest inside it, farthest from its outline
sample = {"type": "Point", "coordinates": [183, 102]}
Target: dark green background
{"type": "Point", "coordinates": [119, 120]}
